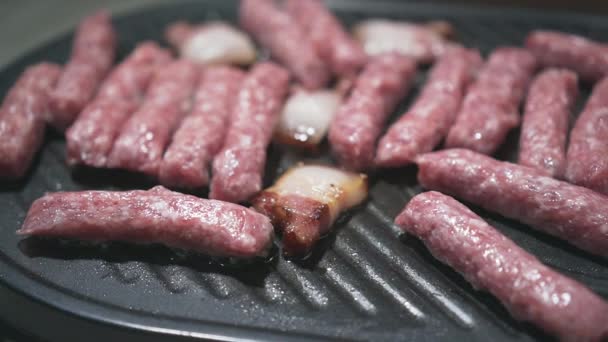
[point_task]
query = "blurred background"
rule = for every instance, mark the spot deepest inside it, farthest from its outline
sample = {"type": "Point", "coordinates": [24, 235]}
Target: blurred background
{"type": "Point", "coordinates": [24, 24]}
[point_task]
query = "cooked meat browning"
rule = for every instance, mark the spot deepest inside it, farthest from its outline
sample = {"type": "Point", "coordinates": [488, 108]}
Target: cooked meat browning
{"type": "Point", "coordinates": [306, 200]}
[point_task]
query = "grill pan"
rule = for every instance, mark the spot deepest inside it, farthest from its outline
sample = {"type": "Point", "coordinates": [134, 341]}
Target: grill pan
{"type": "Point", "coordinates": [365, 281]}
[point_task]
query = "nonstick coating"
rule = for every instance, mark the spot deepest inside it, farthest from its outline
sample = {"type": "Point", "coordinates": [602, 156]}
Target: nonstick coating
{"type": "Point", "coordinates": [363, 282]}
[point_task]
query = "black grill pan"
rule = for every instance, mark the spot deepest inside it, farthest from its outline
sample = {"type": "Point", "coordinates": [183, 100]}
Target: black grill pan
{"type": "Point", "coordinates": [364, 282]}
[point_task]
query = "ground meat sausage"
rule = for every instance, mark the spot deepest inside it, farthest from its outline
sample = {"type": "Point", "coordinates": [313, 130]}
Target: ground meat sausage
{"type": "Point", "coordinates": [91, 137]}
{"type": "Point", "coordinates": [562, 50]}
{"type": "Point", "coordinates": [201, 134]}
{"type": "Point", "coordinates": [93, 53]}
{"type": "Point", "coordinates": [275, 30]}
{"type": "Point", "coordinates": [426, 123]}
{"type": "Point", "coordinates": [22, 118]}
{"type": "Point", "coordinates": [344, 55]}
{"type": "Point", "coordinates": [359, 121]}
{"type": "Point", "coordinates": [491, 106]}
{"type": "Point", "coordinates": [587, 156]}
{"type": "Point", "coordinates": [573, 213]}
{"type": "Point", "coordinates": [544, 130]}
{"type": "Point", "coordinates": [239, 166]}
{"type": "Point", "coordinates": [146, 134]}
{"type": "Point", "coordinates": [154, 216]}
{"type": "Point", "coordinates": [531, 291]}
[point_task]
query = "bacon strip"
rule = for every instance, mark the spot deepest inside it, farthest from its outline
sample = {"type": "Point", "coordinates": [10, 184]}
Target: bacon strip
{"type": "Point", "coordinates": [214, 42]}
{"type": "Point", "coordinates": [424, 42]}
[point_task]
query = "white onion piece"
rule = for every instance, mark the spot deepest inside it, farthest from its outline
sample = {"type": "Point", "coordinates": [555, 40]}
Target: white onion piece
{"type": "Point", "coordinates": [424, 42]}
{"type": "Point", "coordinates": [306, 117]}
{"type": "Point", "coordinates": [216, 43]}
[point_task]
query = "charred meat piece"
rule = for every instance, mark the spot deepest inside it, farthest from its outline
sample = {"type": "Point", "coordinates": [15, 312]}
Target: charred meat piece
{"type": "Point", "coordinates": [305, 202]}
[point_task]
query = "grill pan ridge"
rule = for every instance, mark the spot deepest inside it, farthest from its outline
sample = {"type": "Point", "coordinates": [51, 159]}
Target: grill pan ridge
{"type": "Point", "coordinates": [364, 282]}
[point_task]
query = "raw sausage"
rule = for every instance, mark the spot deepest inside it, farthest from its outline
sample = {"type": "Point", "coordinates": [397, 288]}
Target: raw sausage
{"type": "Point", "coordinates": [491, 106]}
{"type": "Point", "coordinates": [22, 118]}
{"type": "Point", "coordinates": [154, 216]}
{"type": "Point", "coordinates": [146, 134]}
{"type": "Point", "coordinates": [426, 123]}
{"type": "Point", "coordinates": [359, 121]}
{"type": "Point", "coordinates": [239, 166]}
{"type": "Point", "coordinates": [556, 49]}
{"type": "Point", "coordinates": [287, 42]}
{"type": "Point", "coordinates": [531, 291]}
{"type": "Point", "coordinates": [573, 213]}
{"type": "Point", "coordinates": [544, 130]}
{"type": "Point", "coordinates": [344, 55]}
{"type": "Point", "coordinates": [90, 138]}
{"type": "Point", "coordinates": [92, 56]}
{"type": "Point", "coordinates": [587, 157]}
{"type": "Point", "coordinates": [201, 134]}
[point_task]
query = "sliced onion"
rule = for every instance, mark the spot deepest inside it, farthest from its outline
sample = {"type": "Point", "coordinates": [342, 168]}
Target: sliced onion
{"type": "Point", "coordinates": [212, 43]}
{"type": "Point", "coordinates": [306, 117]}
{"type": "Point", "coordinates": [424, 42]}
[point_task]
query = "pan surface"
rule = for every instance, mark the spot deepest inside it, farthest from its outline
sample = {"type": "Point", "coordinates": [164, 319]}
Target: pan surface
{"type": "Point", "coordinates": [364, 281]}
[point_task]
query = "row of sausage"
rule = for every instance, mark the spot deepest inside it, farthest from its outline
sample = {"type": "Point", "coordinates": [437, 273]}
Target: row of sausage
{"type": "Point", "coordinates": [128, 119]}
